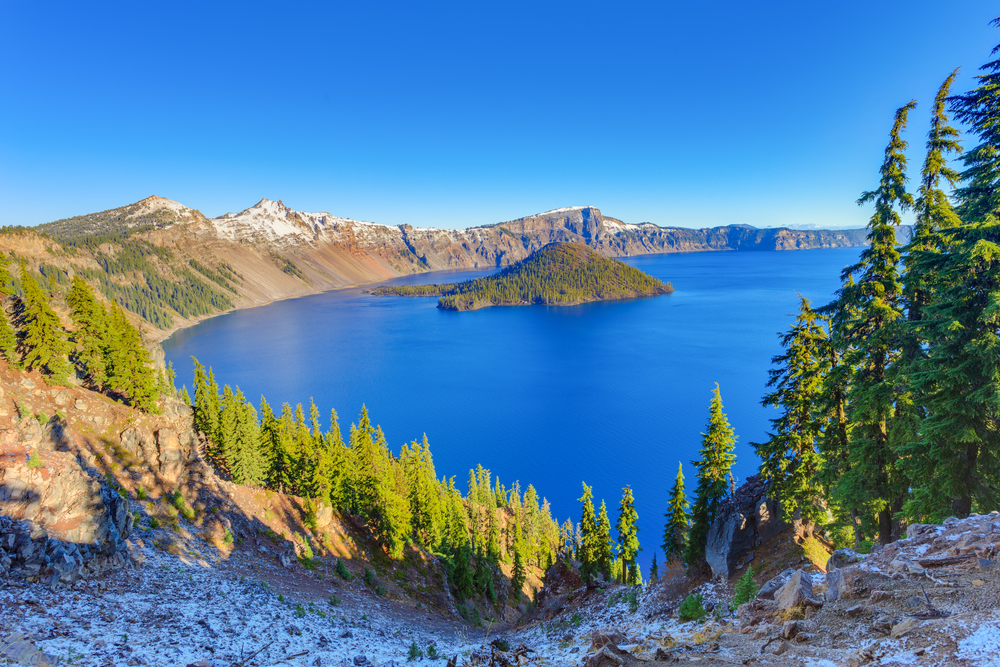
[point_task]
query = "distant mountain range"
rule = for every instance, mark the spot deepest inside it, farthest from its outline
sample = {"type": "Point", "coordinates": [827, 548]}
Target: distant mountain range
{"type": "Point", "coordinates": [159, 256]}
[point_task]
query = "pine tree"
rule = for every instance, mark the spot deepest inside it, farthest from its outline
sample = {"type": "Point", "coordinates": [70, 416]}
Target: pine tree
{"type": "Point", "coordinates": [676, 529]}
{"type": "Point", "coordinates": [589, 539]}
{"type": "Point", "coordinates": [243, 448]}
{"type": "Point", "coordinates": [717, 459]}
{"type": "Point", "coordinates": [956, 461]}
{"type": "Point", "coordinates": [91, 334]}
{"type": "Point", "coordinates": [604, 545]}
{"type": "Point", "coordinates": [130, 371]}
{"type": "Point", "coordinates": [654, 570]}
{"type": "Point", "coordinates": [44, 344]}
{"type": "Point", "coordinates": [871, 480]}
{"type": "Point", "coordinates": [789, 458]}
{"type": "Point", "coordinates": [8, 337]}
{"type": "Point", "coordinates": [628, 536]}
{"type": "Point", "coordinates": [518, 576]}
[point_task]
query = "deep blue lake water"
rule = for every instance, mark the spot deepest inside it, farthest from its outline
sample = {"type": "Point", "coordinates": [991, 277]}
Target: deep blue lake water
{"type": "Point", "coordinates": [613, 393]}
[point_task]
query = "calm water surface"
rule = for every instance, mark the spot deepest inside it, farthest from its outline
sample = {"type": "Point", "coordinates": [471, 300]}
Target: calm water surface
{"type": "Point", "coordinates": [612, 393]}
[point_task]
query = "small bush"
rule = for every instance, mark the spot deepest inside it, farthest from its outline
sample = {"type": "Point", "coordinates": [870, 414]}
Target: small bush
{"type": "Point", "coordinates": [369, 577]}
{"type": "Point", "coordinates": [228, 537]}
{"type": "Point", "coordinates": [746, 590]}
{"type": "Point", "coordinates": [692, 609]}
{"type": "Point", "coordinates": [43, 418]}
{"type": "Point", "coordinates": [865, 547]}
{"type": "Point", "coordinates": [334, 601]}
{"type": "Point", "coordinates": [502, 645]}
{"type": "Point", "coordinates": [141, 493]}
{"type": "Point", "coordinates": [307, 552]}
{"type": "Point", "coordinates": [300, 611]}
{"type": "Point", "coordinates": [632, 597]}
{"type": "Point", "coordinates": [281, 597]}
{"type": "Point", "coordinates": [35, 461]}
{"type": "Point", "coordinates": [61, 415]}
{"type": "Point", "coordinates": [177, 500]}
{"type": "Point", "coordinates": [415, 652]}
{"type": "Point", "coordinates": [342, 571]}
{"type": "Point", "coordinates": [380, 590]}
{"type": "Point", "coordinates": [154, 522]}
{"type": "Point", "coordinates": [576, 619]}
{"type": "Point", "coordinates": [432, 652]}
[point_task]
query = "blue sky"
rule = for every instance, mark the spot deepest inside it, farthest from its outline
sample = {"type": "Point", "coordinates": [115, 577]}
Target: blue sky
{"type": "Point", "coordinates": [456, 114]}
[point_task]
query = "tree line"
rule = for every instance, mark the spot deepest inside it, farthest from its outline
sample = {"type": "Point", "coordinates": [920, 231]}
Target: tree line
{"type": "Point", "coordinates": [398, 495]}
{"type": "Point", "coordinates": [103, 347]}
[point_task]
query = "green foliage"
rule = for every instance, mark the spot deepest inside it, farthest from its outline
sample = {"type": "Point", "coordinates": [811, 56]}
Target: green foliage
{"type": "Point", "coordinates": [432, 652]}
{"type": "Point", "coordinates": [43, 418]}
{"type": "Point", "coordinates": [228, 537]}
{"type": "Point", "coordinates": [43, 341]}
{"type": "Point", "coordinates": [654, 570]}
{"type": "Point", "coordinates": [559, 273]}
{"type": "Point", "coordinates": [692, 609]}
{"type": "Point", "coordinates": [369, 577]}
{"type": "Point", "coordinates": [628, 537]}
{"type": "Point", "coordinates": [415, 652]}
{"type": "Point", "coordinates": [334, 600]}
{"type": "Point", "coordinates": [790, 459]}
{"type": "Point", "coordinates": [714, 478]}
{"type": "Point", "coordinates": [140, 494]}
{"type": "Point", "coordinates": [517, 577]}
{"type": "Point", "coordinates": [35, 461]}
{"type": "Point", "coordinates": [745, 590]}
{"type": "Point", "coordinates": [342, 571]}
{"type": "Point", "coordinates": [300, 611]}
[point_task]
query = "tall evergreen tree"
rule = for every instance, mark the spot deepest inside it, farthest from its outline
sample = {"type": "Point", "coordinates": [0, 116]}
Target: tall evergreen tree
{"type": "Point", "coordinates": [243, 448]}
{"type": "Point", "coordinates": [588, 552]}
{"type": "Point", "coordinates": [91, 335]}
{"type": "Point", "coordinates": [871, 480]}
{"type": "Point", "coordinates": [44, 343]}
{"type": "Point", "coordinates": [130, 369]}
{"type": "Point", "coordinates": [654, 570]}
{"type": "Point", "coordinates": [789, 458]}
{"type": "Point", "coordinates": [605, 553]}
{"type": "Point", "coordinates": [628, 536]}
{"type": "Point", "coordinates": [8, 337]}
{"type": "Point", "coordinates": [717, 459]}
{"type": "Point", "coordinates": [676, 528]}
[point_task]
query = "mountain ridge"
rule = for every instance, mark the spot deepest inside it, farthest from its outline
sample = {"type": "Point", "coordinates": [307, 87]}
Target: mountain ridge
{"type": "Point", "coordinates": [156, 253]}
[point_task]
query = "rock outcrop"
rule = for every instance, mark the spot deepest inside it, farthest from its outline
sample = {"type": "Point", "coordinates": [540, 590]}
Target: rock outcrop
{"type": "Point", "coordinates": [746, 520]}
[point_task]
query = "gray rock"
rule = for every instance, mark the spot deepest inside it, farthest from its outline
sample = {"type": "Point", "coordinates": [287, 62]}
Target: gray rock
{"type": "Point", "coordinates": [797, 592]}
{"type": "Point", "coordinates": [746, 519]}
{"type": "Point", "coordinates": [768, 590]}
{"type": "Point", "coordinates": [842, 558]}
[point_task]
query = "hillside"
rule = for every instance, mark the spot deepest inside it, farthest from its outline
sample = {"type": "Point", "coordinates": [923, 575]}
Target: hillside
{"type": "Point", "coordinates": [560, 274]}
{"type": "Point", "coordinates": [172, 266]}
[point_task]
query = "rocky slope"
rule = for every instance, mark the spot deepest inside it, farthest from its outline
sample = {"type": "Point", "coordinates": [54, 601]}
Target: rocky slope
{"type": "Point", "coordinates": [270, 251]}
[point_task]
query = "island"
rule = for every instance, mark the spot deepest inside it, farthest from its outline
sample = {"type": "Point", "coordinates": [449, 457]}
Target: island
{"type": "Point", "coordinates": [558, 274]}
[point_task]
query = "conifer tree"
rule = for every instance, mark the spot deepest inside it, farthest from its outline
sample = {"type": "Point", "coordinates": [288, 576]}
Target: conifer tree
{"type": "Point", "coordinates": [8, 337]}
{"type": "Point", "coordinates": [130, 371]}
{"type": "Point", "coordinates": [871, 480]}
{"type": "Point", "coordinates": [518, 576]}
{"type": "Point", "coordinates": [628, 536]}
{"type": "Point", "coordinates": [717, 459]}
{"type": "Point", "coordinates": [654, 570]}
{"type": "Point", "coordinates": [604, 544]}
{"type": "Point", "coordinates": [789, 458]}
{"type": "Point", "coordinates": [676, 528]}
{"type": "Point", "coordinates": [588, 553]}
{"type": "Point", "coordinates": [91, 335]}
{"type": "Point", "coordinates": [956, 462]}
{"type": "Point", "coordinates": [44, 344]}
{"type": "Point", "coordinates": [243, 449]}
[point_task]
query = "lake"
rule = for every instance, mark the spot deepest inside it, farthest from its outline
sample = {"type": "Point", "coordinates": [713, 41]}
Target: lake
{"type": "Point", "coordinates": [612, 393]}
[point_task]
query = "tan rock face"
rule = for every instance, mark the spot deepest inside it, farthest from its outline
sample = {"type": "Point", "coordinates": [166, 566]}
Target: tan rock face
{"type": "Point", "coordinates": [798, 592]}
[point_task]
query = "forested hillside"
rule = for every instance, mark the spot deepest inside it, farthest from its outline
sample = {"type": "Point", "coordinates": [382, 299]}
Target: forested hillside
{"type": "Point", "coordinates": [558, 274]}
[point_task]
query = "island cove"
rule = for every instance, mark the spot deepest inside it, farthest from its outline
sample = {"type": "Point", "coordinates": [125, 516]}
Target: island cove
{"type": "Point", "coordinates": [559, 274]}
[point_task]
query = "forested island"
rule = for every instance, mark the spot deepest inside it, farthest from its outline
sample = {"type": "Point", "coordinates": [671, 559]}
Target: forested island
{"type": "Point", "coordinates": [559, 274]}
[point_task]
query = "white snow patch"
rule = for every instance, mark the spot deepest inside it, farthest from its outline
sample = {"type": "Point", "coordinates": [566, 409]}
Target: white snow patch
{"type": "Point", "coordinates": [982, 647]}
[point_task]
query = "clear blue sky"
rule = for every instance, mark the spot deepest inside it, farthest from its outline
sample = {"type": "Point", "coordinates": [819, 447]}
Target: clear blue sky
{"type": "Point", "coordinates": [456, 114]}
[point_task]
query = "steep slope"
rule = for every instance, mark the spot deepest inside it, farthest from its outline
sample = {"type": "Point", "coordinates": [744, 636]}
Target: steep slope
{"type": "Point", "coordinates": [173, 266]}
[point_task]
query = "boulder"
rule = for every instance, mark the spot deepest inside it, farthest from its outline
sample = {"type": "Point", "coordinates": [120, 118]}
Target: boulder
{"type": "Point", "coordinates": [797, 592]}
{"type": "Point", "coordinates": [324, 516]}
{"type": "Point", "coordinates": [601, 638]}
{"type": "Point", "coordinates": [768, 590]}
{"type": "Point", "coordinates": [841, 558]}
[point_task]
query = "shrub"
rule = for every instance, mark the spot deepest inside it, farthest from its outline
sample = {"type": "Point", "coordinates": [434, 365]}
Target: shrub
{"type": "Point", "coordinates": [300, 611]}
{"type": "Point", "coordinates": [369, 577]}
{"type": "Point", "coordinates": [43, 418]}
{"type": "Point", "coordinates": [228, 538]}
{"type": "Point", "coordinates": [576, 619]}
{"type": "Point", "coordinates": [692, 609]}
{"type": "Point", "coordinates": [307, 552]}
{"type": "Point", "coordinates": [632, 597]}
{"type": "Point", "coordinates": [281, 597]}
{"type": "Point", "coordinates": [154, 522]}
{"type": "Point", "coordinates": [334, 601]}
{"type": "Point", "coordinates": [503, 644]}
{"type": "Point", "coordinates": [342, 571]}
{"type": "Point", "coordinates": [432, 652]}
{"type": "Point", "coordinates": [746, 590]}
{"type": "Point", "coordinates": [415, 652]}
{"type": "Point", "coordinates": [35, 461]}
{"type": "Point", "coordinates": [141, 493]}
{"type": "Point", "coordinates": [380, 590]}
